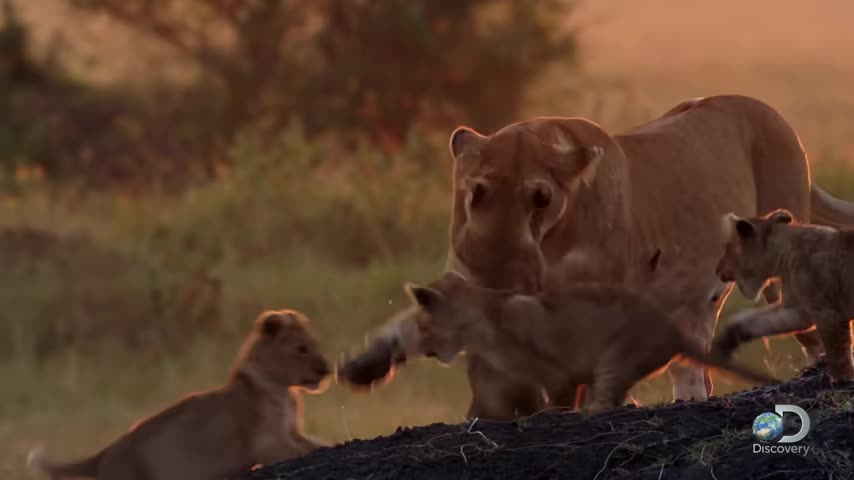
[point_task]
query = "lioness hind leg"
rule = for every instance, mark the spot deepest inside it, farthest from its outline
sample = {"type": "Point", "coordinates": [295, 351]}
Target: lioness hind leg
{"type": "Point", "coordinates": [497, 396]}
{"type": "Point", "coordinates": [836, 336]}
{"type": "Point", "coordinates": [810, 340]}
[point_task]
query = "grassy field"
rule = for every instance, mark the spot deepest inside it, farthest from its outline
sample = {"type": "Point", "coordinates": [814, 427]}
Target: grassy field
{"type": "Point", "coordinates": [113, 306]}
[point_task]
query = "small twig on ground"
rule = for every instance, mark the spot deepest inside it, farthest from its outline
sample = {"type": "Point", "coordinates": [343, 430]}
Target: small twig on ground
{"type": "Point", "coordinates": [470, 431]}
{"type": "Point", "coordinates": [608, 458]}
{"type": "Point", "coordinates": [661, 473]}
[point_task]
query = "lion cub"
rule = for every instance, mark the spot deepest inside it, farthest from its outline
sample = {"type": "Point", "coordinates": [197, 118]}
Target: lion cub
{"type": "Point", "coordinates": [814, 265]}
{"type": "Point", "coordinates": [254, 418]}
{"type": "Point", "coordinates": [586, 334]}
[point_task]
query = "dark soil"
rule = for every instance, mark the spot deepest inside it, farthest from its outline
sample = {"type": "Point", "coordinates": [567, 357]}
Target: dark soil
{"type": "Point", "coordinates": [682, 440]}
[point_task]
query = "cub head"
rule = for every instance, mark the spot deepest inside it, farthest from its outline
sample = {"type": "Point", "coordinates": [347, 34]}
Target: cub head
{"type": "Point", "coordinates": [510, 190]}
{"type": "Point", "coordinates": [281, 351]}
{"type": "Point", "coordinates": [445, 310]}
{"type": "Point", "coordinates": [750, 258]}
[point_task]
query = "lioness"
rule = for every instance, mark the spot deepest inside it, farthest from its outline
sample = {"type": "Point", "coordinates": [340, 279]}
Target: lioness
{"type": "Point", "coordinates": [586, 334]}
{"type": "Point", "coordinates": [814, 265]}
{"type": "Point", "coordinates": [537, 191]}
{"type": "Point", "coordinates": [254, 418]}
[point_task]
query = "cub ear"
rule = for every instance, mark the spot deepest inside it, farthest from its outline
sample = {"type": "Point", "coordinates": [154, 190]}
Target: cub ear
{"type": "Point", "coordinates": [733, 223]}
{"type": "Point", "coordinates": [461, 138]}
{"type": "Point", "coordinates": [781, 215]}
{"type": "Point", "coordinates": [270, 323]}
{"type": "Point", "coordinates": [744, 228]}
{"type": "Point", "coordinates": [425, 297]}
{"type": "Point", "coordinates": [454, 276]}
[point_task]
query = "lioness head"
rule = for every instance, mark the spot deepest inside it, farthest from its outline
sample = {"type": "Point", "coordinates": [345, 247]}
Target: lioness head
{"type": "Point", "coordinates": [510, 190]}
{"type": "Point", "coordinates": [282, 351]}
{"type": "Point", "coordinates": [445, 310]}
{"type": "Point", "coordinates": [747, 260]}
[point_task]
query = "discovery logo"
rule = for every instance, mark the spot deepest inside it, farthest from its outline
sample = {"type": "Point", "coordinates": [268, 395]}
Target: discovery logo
{"type": "Point", "coordinates": [768, 428]}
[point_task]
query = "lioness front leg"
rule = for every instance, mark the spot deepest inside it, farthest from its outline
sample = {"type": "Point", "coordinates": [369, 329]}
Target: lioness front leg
{"type": "Point", "coordinates": [692, 382]}
{"type": "Point", "coordinates": [497, 396]}
{"type": "Point", "coordinates": [755, 323]}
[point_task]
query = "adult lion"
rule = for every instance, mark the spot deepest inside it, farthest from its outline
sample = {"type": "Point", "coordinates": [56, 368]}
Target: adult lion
{"type": "Point", "coordinates": [550, 191]}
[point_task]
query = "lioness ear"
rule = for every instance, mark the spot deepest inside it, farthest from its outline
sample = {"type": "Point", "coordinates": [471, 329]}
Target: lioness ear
{"type": "Point", "coordinates": [425, 297]}
{"type": "Point", "coordinates": [462, 137]}
{"type": "Point", "coordinates": [780, 215]}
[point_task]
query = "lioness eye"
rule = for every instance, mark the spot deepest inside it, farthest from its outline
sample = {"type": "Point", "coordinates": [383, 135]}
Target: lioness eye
{"type": "Point", "coordinates": [542, 197]}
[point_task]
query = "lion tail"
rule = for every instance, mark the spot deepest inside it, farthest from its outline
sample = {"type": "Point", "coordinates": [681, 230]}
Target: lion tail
{"type": "Point", "coordinates": [722, 364]}
{"type": "Point", "coordinates": [825, 209]}
{"type": "Point", "coordinates": [85, 468]}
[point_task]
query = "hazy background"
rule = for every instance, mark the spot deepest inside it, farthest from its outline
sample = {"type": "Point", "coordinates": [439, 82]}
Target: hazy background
{"type": "Point", "coordinates": [167, 173]}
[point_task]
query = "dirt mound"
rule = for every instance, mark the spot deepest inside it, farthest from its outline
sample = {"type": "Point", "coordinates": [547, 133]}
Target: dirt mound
{"type": "Point", "coordinates": [683, 440]}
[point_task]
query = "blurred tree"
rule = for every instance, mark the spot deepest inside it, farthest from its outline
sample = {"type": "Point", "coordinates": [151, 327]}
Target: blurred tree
{"type": "Point", "coordinates": [365, 66]}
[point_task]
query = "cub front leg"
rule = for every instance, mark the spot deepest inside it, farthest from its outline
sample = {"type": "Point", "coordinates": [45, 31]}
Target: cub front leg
{"type": "Point", "coordinates": [568, 396]}
{"type": "Point", "coordinates": [755, 323]}
{"type": "Point", "coordinates": [835, 332]}
{"type": "Point", "coordinates": [496, 395]}
{"type": "Point", "coordinates": [810, 340]}
{"type": "Point", "coordinates": [610, 387]}
{"type": "Point", "coordinates": [305, 444]}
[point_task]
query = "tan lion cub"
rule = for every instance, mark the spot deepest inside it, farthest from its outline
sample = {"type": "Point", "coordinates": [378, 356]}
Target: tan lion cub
{"type": "Point", "coordinates": [814, 265]}
{"type": "Point", "coordinates": [587, 334]}
{"type": "Point", "coordinates": [255, 417]}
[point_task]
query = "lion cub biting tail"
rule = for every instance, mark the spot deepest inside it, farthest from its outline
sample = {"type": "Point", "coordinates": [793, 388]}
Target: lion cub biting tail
{"type": "Point", "coordinates": [586, 334]}
{"type": "Point", "coordinates": [254, 418]}
{"type": "Point", "coordinates": [815, 265]}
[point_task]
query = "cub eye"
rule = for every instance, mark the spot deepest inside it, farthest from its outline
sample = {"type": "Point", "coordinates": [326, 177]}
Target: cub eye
{"type": "Point", "coordinates": [478, 190]}
{"type": "Point", "coordinates": [542, 197]}
{"type": "Point", "coordinates": [303, 350]}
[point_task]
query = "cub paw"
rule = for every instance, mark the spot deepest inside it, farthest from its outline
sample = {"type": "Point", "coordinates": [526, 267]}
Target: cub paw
{"type": "Point", "coordinates": [375, 365]}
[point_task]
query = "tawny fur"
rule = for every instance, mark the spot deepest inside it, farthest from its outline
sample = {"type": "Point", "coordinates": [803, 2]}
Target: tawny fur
{"type": "Point", "coordinates": [538, 191]}
{"type": "Point", "coordinates": [816, 268]}
{"type": "Point", "coordinates": [254, 418]}
{"type": "Point", "coordinates": [539, 203]}
{"type": "Point", "coordinates": [588, 334]}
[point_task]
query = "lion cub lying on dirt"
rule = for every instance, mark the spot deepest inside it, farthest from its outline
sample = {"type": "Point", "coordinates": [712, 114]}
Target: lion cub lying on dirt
{"type": "Point", "coordinates": [816, 267]}
{"type": "Point", "coordinates": [587, 334]}
{"type": "Point", "coordinates": [255, 417]}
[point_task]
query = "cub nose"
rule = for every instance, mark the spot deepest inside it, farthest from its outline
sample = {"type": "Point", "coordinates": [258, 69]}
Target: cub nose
{"type": "Point", "coordinates": [724, 275]}
{"type": "Point", "coordinates": [322, 369]}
